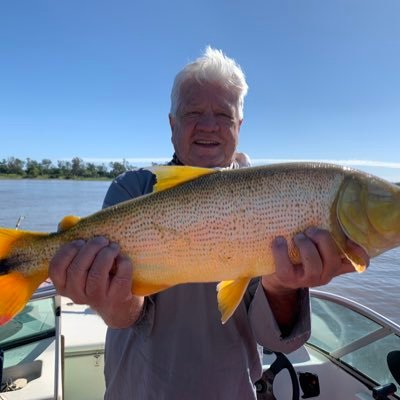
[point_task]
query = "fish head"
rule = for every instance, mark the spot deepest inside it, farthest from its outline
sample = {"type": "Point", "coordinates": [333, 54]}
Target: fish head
{"type": "Point", "coordinates": [368, 210]}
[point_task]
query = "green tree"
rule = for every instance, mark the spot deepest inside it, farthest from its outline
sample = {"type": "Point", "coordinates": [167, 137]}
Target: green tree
{"type": "Point", "coordinates": [3, 166]}
{"type": "Point", "coordinates": [117, 168]}
{"type": "Point", "coordinates": [102, 171]}
{"type": "Point", "coordinates": [90, 171]}
{"type": "Point", "coordinates": [15, 166]}
{"type": "Point", "coordinates": [78, 166]}
{"type": "Point", "coordinates": [65, 169]}
{"type": "Point", "coordinates": [46, 166]}
{"type": "Point", "coordinates": [32, 169]}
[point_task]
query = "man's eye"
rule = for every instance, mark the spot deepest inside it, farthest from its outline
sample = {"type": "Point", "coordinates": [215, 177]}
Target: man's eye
{"type": "Point", "coordinates": [225, 115]}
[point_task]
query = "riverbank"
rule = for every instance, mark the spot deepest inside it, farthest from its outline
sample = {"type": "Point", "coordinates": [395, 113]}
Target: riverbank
{"type": "Point", "coordinates": [47, 177]}
{"type": "Point", "coordinates": [66, 178]}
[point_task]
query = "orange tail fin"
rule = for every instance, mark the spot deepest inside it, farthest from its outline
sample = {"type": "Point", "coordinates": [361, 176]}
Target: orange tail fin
{"type": "Point", "coordinates": [16, 287]}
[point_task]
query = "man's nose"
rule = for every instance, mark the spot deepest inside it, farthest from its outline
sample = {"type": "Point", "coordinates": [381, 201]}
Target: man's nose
{"type": "Point", "coordinates": [208, 122]}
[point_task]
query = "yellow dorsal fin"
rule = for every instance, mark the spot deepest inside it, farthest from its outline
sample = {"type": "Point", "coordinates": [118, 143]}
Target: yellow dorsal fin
{"type": "Point", "coordinates": [174, 175]}
{"type": "Point", "coordinates": [230, 294]}
{"type": "Point", "coordinates": [68, 222]}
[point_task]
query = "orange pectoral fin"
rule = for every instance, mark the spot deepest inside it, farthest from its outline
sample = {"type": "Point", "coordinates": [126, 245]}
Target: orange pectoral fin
{"type": "Point", "coordinates": [357, 262]}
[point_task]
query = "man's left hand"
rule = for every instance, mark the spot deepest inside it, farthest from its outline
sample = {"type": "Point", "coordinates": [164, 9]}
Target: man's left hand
{"type": "Point", "coordinates": [321, 260]}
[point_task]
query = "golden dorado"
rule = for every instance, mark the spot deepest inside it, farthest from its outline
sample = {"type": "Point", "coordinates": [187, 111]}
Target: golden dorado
{"type": "Point", "coordinates": [206, 225]}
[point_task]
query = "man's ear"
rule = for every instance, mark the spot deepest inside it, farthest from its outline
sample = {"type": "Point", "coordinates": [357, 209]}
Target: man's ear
{"type": "Point", "coordinates": [172, 125]}
{"type": "Point", "coordinates": [171, 121]}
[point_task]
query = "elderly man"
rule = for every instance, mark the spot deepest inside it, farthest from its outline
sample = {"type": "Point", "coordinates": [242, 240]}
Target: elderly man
{"type": "Point", "coordinates": [172, 345]}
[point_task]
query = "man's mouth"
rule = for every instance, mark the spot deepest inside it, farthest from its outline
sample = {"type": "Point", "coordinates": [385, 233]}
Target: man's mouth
{"type": "Point", "coordinates": [206, 143]}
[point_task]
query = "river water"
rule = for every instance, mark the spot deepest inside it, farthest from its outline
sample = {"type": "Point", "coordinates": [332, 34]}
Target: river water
{"type": "Point", "coordinates": [42, 204]}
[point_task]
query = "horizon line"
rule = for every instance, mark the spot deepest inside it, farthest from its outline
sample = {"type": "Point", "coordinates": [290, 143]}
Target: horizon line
{"type": "Point", "coordinates": [258, 161]}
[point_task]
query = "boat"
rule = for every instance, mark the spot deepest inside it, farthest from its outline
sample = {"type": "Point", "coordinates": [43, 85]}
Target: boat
{"type": "Point", "coordinates": [54, 349]}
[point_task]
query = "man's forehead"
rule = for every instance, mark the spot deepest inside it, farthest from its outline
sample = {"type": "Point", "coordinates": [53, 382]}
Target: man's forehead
{"type": "Point", "coordinates": [194, 93]}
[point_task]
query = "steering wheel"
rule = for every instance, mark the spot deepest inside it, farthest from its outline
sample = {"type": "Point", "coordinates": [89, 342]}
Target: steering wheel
{"type": "Point", "coordinates": [264, 386]}
{"type": "Point", "coordinates": [393, 362]}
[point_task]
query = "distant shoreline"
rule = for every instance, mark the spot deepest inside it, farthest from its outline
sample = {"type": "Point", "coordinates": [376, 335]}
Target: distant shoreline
{"type": "Point", "coordinates": [76, 169]}
{"type": "Point", "coordinates": [8, 177]}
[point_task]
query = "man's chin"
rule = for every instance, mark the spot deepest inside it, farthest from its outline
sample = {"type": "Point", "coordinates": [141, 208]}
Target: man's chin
{"type": "Point", "coordinates": [209, 162]}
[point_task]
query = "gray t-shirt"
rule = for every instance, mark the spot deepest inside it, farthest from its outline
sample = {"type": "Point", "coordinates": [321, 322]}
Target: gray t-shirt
{"type": "Point", "coordinates": [179, 349]}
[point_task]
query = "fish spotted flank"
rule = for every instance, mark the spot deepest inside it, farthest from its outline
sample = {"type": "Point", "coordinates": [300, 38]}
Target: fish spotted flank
{"type": "Point", "coordinates": [205, 225]}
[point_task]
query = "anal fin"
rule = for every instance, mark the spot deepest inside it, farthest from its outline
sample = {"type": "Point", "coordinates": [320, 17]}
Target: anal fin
{"type": "Point", "coordinates": [230, 294]}
{"type": "Point", "coordinates": [146, 288]}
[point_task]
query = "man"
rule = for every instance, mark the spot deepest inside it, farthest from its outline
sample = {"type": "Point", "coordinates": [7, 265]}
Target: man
{"type": "Point", "coordinates": [172, 345]}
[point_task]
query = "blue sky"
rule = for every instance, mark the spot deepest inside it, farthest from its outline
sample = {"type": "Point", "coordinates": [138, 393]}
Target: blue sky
{"type": "Point", "coordinates": [92, 78]}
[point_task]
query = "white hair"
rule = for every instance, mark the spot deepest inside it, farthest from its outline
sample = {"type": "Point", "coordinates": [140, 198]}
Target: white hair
{"type": "Point", "coordinates": [213, 67]}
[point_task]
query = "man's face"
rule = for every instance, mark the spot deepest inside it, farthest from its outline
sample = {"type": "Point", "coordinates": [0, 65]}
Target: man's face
{"type": "Point", "coordinates": [205, 130]}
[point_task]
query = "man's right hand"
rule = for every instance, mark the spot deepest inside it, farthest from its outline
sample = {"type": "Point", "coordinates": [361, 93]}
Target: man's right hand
{"type": "Point", "coordinates": [94, 272]}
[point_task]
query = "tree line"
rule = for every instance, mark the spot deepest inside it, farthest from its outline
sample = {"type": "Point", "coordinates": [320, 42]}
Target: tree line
{"type": "Point", "coordinates": [74, 169]}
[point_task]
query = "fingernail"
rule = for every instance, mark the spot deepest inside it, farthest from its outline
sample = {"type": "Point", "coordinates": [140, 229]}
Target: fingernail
{"type": "Point", "coordinates": [79, 242]}
{"type": "Point", "coordinates": [279, 241]}
{"type": "Point", "coordinates": [114, 246]}
{"type": "Point", "coordinates": [311, 231]}
{"type": "Point", "coordinates": [101, 240]}
{"type": "Point", "coordinates": [300, 236]}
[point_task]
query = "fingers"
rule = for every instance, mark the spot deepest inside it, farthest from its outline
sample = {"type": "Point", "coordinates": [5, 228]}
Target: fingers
{"type": "Point", "coordinates": [306, 274]}
{"type": "Point", "coordinates": [98, 279]}
{"type": "Point", "coordinates": [285, 270]}
{"type": "Point", "coordinates": [321, 260]}
{"type": "Point", "coordinates": [121, 283]}
{"type": "Point", "coordinates": [96, 274]}
{"type": "Point", "coordinates": [60, 262]}
{"type": "Point", "coordinates": [78, 270]}
{"type": "Point", "coordinates": [329, 254]}
{"type": "Point", "coordinates": [82, 271]}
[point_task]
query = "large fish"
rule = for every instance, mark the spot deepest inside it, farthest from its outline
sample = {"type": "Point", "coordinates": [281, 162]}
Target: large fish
{"type": "Point", "coordinates": [206, 225]}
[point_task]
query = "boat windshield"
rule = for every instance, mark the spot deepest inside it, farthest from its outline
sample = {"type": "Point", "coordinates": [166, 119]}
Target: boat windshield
{"type": "Point", "coordinates": [354, 336]}
{"type": "Point", "coordinates": [25, 332]}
